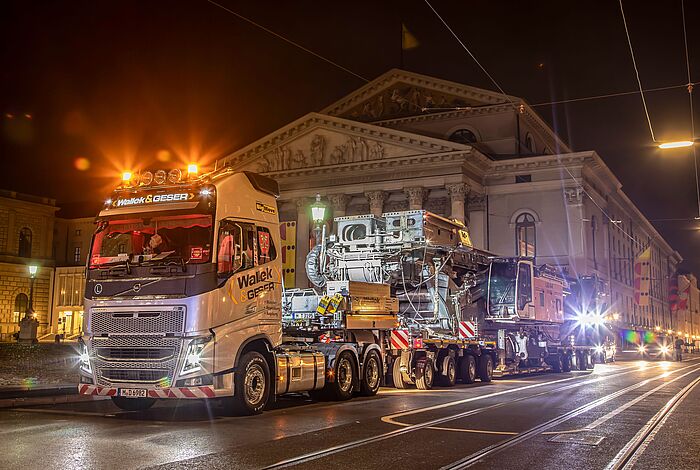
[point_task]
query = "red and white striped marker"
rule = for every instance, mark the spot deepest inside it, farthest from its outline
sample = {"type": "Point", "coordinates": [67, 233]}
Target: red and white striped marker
{"type": "Point", "coordinates": [172, 392]}
{"type": "Point", "coordinates": [399, 339]}
{"type": "Point", "coordinates": [467, 330]}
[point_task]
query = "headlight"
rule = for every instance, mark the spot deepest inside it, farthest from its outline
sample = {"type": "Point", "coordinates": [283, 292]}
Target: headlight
{"type": "Point", "coordinates": [642, 349]}
{"type": "Point", "coordinates": [85, 359]}
{"type": "Point", "coordinates": [193, 357]}
{"type": "Point", "coordinates": [664, 349]}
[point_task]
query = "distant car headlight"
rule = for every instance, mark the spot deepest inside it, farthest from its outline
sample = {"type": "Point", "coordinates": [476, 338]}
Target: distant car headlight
{"type": "Point", "coordinates": [85, 358]}
{"type": "Point", "coordinates": [664, 350]}
{"type": "Point", "coordinates": [642, 349]}
{"type": "Point", "coordinates": [599, 349]}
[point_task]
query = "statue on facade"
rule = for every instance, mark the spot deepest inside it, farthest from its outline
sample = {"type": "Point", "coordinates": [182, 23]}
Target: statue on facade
{"type": "Point", "coordinates": [317, 150]}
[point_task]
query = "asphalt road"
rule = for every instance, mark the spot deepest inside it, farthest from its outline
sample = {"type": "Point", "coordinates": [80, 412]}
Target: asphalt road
{"type": "Point", "coordinates": [643, 414]}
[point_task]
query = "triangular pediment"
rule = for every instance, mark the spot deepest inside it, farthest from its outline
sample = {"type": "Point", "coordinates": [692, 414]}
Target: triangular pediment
{"type": "Point", "coordinates": [317, 140]}
{"type": "Point", "coordinates": [399, 93]}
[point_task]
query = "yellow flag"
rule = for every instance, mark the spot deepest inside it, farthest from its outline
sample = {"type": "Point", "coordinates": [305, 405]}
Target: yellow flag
{"type": "Point", "coordinates": [408, 40]}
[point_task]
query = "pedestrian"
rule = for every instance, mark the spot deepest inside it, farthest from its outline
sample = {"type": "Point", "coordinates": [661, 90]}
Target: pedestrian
{"type": "Point", "coordinates": [679, 349]}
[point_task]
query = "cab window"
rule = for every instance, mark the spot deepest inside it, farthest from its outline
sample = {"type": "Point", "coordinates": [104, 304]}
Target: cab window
{"type": "Point", "coordinates": [236, 250]}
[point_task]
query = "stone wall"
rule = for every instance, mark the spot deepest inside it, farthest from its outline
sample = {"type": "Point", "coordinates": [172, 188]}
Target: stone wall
{"type": "Point", "coordinates": [14, 279]}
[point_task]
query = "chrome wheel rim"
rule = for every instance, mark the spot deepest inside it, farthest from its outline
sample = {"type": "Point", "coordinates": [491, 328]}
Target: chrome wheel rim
{"type": "Point", "coordinates": [254, 384]}
{"type": "Point", "coordinates": [428, 373]}
{"type": "Point", "coordinates": [472, 369]}
{"type": "Point", "coordinates": [344, 375]}
{"type": "Point", "coordinates": [372, 374]}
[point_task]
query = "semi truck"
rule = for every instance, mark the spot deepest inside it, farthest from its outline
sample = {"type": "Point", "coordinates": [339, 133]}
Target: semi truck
{"type": "Point", "coordinates": [185, 300]}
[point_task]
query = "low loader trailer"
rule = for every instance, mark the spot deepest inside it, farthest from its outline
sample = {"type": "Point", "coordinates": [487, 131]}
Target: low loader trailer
{"type": "Point", "coordinates": [184, 299]}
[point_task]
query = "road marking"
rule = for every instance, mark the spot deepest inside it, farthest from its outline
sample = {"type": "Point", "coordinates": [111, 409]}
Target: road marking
{"type": "Point", "coordinates": [630, 453]}
{"type": "Point", "coordinates": [625, 406]}
{"type": "Point", "coordinates": [410, 428]}
{"type": "Point", "coordinates": [474, 431]}
{"type": "Point", "coordinates": [477, 457]}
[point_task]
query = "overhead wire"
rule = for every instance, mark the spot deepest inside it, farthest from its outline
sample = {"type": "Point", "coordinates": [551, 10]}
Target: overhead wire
{"type": "Point", "coordinates": [289, 41]}
{"type": "Point", "coordinates": [690, 100]}
{"type": "Point", "coordinates": [636, 72]}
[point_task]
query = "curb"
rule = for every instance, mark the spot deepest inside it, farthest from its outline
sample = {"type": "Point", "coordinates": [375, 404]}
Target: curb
{"type": "Point", "coordinates": [31, 392]}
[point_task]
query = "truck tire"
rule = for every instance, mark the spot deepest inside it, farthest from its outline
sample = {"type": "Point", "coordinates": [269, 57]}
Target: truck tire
{"type": "Point", "coordinates": [133, 404]}
{"type": "Point", "coordinates": [467, 369]}
{"type": "Point", "coordinates": [449, 379]}
{"type": "Point", "coordinates": [371, 374]}
{"type": "Point", "coordinates": [251, 385]}
{"type": "Point", "coordinates": [343, 386]}
{"type": "Point", "coordinates": [558, 365]}
{"type": "Point", "coordinates": [566, 363]}
{"type": "Point", "coordinates": [425, 373]}
{"type": "Point", "coordinates": [397, 375]}
{"type": "Point", "coordinates": [485, 368]}
{"type": "Point", "coordinates": [581, 361]}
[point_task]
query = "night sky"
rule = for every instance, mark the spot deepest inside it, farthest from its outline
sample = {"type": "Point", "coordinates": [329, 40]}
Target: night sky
{"type": "Point", "coordinates": [112, 85]}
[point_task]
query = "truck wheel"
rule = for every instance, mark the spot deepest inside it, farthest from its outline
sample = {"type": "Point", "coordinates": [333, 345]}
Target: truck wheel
{"type": "Point", "coordinates": [566, 363]}
{"type": "Point", "coordinates": [251, 385]}
{"type": "Point", "coordinates": [424, 373]}
{"type": "Point", "coordinates": [558, 365]}
{"type": "Point", "coordinates": [467, 369]}
{"type": "Point", "coordinates": [133, 404]}
{"type": "Point", "coordinates": [344, 384]}
{"type": "Point", "coordinates": [397, 376]}
{"type": "Point", "coordinates": [486, 368]}
{"type": "Point", "coordinates": [371, 375]}
{"type": "Point", "coordinates": [581, 361]}
{"type": "Point", "coordinates": [450, 378]}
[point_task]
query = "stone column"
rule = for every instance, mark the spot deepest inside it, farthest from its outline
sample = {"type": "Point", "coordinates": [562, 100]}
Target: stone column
{"type": "Point", "coordinates": [339, 203]}
{"type": "Point", "coordinates": [416, 197]}
{"type": "Point", "coordinates": [300, 279]}
{"type": "Point", "coordinates": [476, 207]}
{"type": "Point", "coordinates": [376, 201]}
{"type": "Point", "coordinates": [457, 192]}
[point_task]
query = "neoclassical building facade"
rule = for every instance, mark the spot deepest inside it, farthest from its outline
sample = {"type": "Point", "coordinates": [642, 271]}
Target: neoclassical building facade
{"type": "Point", "coordinates": [409, 141]}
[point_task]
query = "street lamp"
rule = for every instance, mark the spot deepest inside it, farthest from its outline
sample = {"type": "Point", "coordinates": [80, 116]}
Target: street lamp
{"type": "Point", "coordinates": [318, 215]}
{"type": "Point", "coordinates": [32, 275]}
{"type": "Point", "coordinates": [676, 144]}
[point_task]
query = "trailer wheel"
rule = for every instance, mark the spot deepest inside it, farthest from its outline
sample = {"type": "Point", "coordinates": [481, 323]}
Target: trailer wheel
{"type": "Point", "coordinates": [449, 379]}
{"type": "Point", "coordinates": [581, 361]}
{"type": "Point", "coordinates": [371, 375]}
{"type": "Point", "coordinates": [133, 404]}
{"type": "Point", "coordinates": [424, 373]}
{"type": "Point", "coordinates": [397, 375]}
{"type": "Point", "coordinates": [558, 365]}
{"type": "Point", "coordinates": [566, 363]}
{"type": "Point", "coordinates": [344, 384]}
{"type": "Point", "coordinates": [251, 385]}
{"type": "Point", "coordinates": [486, 368]}
{"type": "Point", "coordinates": [467, 369]}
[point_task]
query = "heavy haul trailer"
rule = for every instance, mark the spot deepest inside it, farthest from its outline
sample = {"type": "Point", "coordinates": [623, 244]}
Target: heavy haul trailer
{"type": "Point", "coordinates": [183, 299]}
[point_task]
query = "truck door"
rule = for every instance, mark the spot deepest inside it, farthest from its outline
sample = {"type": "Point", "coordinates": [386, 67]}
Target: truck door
{"type": "Point", "coordinates": [524, 290]}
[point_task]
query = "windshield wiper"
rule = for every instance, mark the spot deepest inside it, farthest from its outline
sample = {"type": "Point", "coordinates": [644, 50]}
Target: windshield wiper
{"type": "Point", "coordinates": [117, 268]}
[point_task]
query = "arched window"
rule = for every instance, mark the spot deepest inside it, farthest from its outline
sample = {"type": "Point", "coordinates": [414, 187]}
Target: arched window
{"type": "Point", "coordinates": [463, 136]}
{"type": "Point", "coordinates": [21, 306]}
{"type": "Point", "coordinates": [25, 243]}
{"type": "Point", "coordinates": [525, 235]}
{"type": "Point", "coordinates": [530, 143]}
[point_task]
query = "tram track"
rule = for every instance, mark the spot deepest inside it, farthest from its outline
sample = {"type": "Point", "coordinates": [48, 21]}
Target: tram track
{"type": "Point", "coordinates": [408, 428]}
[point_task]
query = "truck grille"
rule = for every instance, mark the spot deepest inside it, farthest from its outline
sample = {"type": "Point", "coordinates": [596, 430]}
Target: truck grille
{"type": "Point", "coordinates": [136, 346]}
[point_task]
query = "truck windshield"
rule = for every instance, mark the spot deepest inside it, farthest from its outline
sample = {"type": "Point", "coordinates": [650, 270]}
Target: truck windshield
{"type": "Point", "coordinates": [153, 240]}
{"type": "Point", "coordinates": [501, 286]}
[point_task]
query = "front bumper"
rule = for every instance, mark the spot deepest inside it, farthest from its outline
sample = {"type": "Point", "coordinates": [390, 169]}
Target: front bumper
{"type": "Point", "coordinates": [172, 392]}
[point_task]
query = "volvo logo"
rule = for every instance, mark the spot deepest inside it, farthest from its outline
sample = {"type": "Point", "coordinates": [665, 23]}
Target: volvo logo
{"type": "Point", "coordinates": [137, 287]}
{"type": "Point", "coordinates": [98, 289]}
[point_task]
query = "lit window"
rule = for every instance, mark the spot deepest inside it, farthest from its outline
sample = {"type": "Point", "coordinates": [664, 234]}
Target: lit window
{"type": "Point", "coordinates": [77, 232]}
{"type": "Point", "coordinates": [76, 254]}
{"type": "Point", "coordinates": [21, 306]}
{"type": "Point", "coordinates": [525, 235]}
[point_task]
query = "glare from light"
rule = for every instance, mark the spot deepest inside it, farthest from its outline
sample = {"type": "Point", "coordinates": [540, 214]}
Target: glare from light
{"type": "Point", "coordinates": [108, 202]}
{"type": "Point", "coordinates": [599, 349]}
{"type": "Point", "coordinates": [664, 349]}
{"type": "Point", "coordinates": [126, 176]}
{"type": "Point", "coordinates": [32, 269]}
{"type": "Point", "coordinates": [642, 349]}
{"type": "Point", "coordinates": [658, 328]}
{"type": "Point", "coordinates": [205, 192]}
{"type": "Point", "coordinates": [675, 145]}
{"type": "Point", "coordinates": [192, 169]}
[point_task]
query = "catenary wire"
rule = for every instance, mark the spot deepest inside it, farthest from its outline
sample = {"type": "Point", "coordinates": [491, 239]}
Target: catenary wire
{"type": "Point", "coordinates": [289, 41]}
{"type": "Point", "coordinates": [636, 72]}
{"type": "Point", "coordinates": [690, 100]}
{"type": "Point", "coordinates": [461, 43]}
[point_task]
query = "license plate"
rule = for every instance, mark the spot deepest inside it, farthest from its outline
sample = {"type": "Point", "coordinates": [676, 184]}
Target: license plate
{"type": "Point", "coordinates": [133, 392]}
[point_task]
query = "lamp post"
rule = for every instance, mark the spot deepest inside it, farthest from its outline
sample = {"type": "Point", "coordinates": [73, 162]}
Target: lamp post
{"type": "Point", "coordinates": [32, 276]}
{"type": "Point", "coordinates": [318, 215]}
